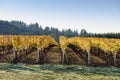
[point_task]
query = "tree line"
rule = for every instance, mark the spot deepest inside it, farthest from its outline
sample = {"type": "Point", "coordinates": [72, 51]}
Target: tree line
{"type": "Point", "coordinates": [21, 28]}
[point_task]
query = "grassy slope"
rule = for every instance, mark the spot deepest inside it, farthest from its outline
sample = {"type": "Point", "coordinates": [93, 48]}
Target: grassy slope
{"type": "Point", "coordinates": [57, 72]}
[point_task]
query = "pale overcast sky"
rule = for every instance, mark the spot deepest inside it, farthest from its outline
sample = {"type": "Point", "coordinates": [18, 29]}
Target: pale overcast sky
{"type": "Point", "coordinates": [93, 15]}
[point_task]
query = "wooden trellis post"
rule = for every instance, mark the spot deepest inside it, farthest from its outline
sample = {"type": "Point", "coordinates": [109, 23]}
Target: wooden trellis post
{"type": "Point", "coordinates": [114, 57]}
{"type": "Point", "coordinates": [38, 55]}
{"type": "Point", "coordinates": [15, 56]}
{"type": "Point", "coordinates": [88, 56]}
{"type": "Point", "coordinates": [63, 56]}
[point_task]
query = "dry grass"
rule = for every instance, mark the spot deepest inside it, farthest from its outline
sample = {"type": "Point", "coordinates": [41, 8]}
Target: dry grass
{"type": "Point", "coordinates": [57, 72]}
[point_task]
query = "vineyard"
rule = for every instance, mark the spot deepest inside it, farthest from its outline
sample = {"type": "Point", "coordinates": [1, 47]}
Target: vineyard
{"type": "Point", "coordinates": [75, 50]}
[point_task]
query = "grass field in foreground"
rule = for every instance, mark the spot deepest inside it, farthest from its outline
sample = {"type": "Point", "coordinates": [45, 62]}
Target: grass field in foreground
{"type": "Point", "coordinates": [57, 72]}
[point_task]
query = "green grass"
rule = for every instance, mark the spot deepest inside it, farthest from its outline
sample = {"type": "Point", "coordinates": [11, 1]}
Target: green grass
{"type": "Point", "coordinates": [57, 72]}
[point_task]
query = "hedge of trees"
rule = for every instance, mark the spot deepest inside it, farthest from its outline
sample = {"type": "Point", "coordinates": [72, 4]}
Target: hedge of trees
{"type": "Point", "coordinates": [21, 28]}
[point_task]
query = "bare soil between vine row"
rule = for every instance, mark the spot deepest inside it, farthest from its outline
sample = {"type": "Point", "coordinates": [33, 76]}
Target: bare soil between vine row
{"type": "Point", "coordinates": [53, 55]}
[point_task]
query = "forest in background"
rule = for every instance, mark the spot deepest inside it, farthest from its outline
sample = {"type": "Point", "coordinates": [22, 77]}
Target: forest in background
{"type": "Point", "coordinates": [21, 28]}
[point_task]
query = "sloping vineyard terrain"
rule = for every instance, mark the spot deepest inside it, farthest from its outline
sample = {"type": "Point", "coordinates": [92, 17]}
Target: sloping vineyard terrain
{"type": "Point", "coordinates": [94, 51]}
{"type": "Point", "coordinates": [75, 50]}
{"type": "Point", "coordinates": [29, 49]}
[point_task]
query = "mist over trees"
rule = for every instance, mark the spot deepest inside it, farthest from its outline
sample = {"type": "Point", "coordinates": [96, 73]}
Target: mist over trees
{"type": "Point", "coordinates": [21, 28]}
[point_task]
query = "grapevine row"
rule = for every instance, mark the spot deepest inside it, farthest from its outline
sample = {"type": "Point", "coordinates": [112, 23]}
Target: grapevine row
{"type": "Point", "coordinates": [108, 45]}
{"type": "Point", "coordinates": [20, 42]}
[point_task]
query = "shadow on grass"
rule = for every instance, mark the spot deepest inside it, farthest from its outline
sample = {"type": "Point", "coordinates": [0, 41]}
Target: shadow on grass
{"type": "Point", "coordinates": [83, 70]}
{"type": "Point", "coordinates": [77, 69]}
{"type": "Point", "coordinates": [12, 67]}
